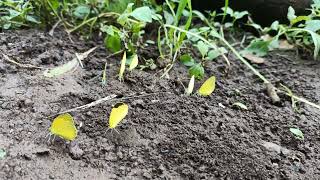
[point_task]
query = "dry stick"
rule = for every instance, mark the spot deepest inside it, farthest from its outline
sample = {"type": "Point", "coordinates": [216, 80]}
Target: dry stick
{"type": "Point", "coordinates": [54, 27]}
{"type": "Point", "coordinates": [94, 103]}
{"type": "Point", "coordinates": [108, 98]}
{"type": "Point", "coordinates": [19, 64]}
{"type": "Point", "coordinates": [257, 73]}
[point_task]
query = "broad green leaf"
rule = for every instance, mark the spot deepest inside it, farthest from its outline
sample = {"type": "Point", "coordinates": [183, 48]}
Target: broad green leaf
{"type": "Point", "coordinates": [239, 15]}
{"type": "Point", "coordinates": [197, 71]}
{"type": "Point", "coordinates": [113, 43]}
{"type": "Point", "coordinates": [134, 62]}
{"type": "Point", "coordinates": [315, 38]}
{"type": "Point", "coordinates": [203, 48]}
{"type": "Point", "coordinates": [258, 47]}
{"type": "Point", "coordinates": [32, 19]}
{"type": "Point", "coordinates": [187, 60]}
{"type": "Point", "coordinates": [123, 18]}
{"type": "Point", "coordinates": [61, 69]}
{"type": "Point", "coordinates": [143, 14]}
{"type": "Point", "coordinates": [69, 66]}
{"type": "Point", "coordinates": [275, 25]}
{"type": "Point", "coordinates": [168, 17]}
{"type": "Point", "coordinates": [299, 19]}
{"type": "Point", "coordinates": [313, 25]}
{"type": "Point", "coordinates": [213, 54]}
{"type": "Point", "coordinates": [81, 11]}
{"type": "Point", "coordinates": [291, 14]}
{"type": "Point", "coordinates": [297, 133]}
{"type": "Point", "coordinates": [199, 14]}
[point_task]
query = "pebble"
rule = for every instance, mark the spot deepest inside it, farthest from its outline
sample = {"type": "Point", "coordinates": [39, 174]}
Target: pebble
{"type": "Point", "coordinates": [75, 151]}
{"type": "Point", "coordinates": [275, 148]}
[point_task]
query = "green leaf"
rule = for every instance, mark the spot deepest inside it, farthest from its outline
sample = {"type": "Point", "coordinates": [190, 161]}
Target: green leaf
{"type": "Point", "coordinates": [143, 14]}
{"type": "Point", "coordinates": [275, 25]}
{"type": "Point", "coordinates": [61, 69]}
{"type": "Point", "coordinates": [2, 153]}
{"type": "Point", "coordinates": [299, 19]}
{"type": "Point", "coordinates": [81, 11]}
{"type": "Point", "coordinates": [32, 19]}
{"type": "Point", "coordinates": [203, 48]}
{"type": "Point", "coordinates": [239, 15]}
{"type": "Point", "coordinates": [123, 18]}
{"type": "Point", "coordinates": [297, 133]}
{"type": "Point", "coordinates": [291, 14]}
{"type": "Point", "coordinates": [240, 105]}
{"type": "Point", "coordinates": [168, 17]}
{"type": "Point", "coordinates": [113, 43]}
{"type": "Point", "coordinates": [197, 71]}
{"type": "Point", "coordinates": [134, 62]}
{"type": "Point", "coordinates": [57, 71]}
{"type": "Point", "coordinates": [213, 54]}
{"type": "Point", "coordinates": [187, 60]}
{"type": "Point", "coordinates": [313, 25]}
{"type": "Point", "coordinates": [257, 47]}
{"type": "Point", "coordinates": [315, 38]}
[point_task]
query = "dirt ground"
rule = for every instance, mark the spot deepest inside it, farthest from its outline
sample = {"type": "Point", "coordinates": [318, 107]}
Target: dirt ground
{"type": "Point", "coordinates": [166, 134]}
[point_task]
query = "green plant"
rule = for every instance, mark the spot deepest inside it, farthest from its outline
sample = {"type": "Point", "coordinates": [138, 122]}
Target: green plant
{"type": "Point", "coordinates": [16, 14]}
{"type": "Point", "coordinates": [302, 31]}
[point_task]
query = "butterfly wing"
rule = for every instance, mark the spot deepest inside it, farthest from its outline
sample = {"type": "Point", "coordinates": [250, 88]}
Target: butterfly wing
{"type": "Point", "coordinates": [208, 86]}
{"type": "Point", "coordinates": [63, 126]}
{"type": "Point", "coordinates": [117, 114]}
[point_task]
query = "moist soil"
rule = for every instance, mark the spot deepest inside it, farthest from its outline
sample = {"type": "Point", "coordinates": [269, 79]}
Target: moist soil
{"type": "Point", "coordinates": [166, 135]}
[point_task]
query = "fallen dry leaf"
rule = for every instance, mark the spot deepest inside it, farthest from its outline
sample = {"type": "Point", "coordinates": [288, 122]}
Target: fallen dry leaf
{"type": "Point", "coordinates": [284, 44]}
{"type": "Point", "coordinates": [253, 58]}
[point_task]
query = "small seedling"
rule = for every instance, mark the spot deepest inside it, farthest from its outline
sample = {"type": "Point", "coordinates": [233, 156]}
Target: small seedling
{"type": "Point", "coordinates": [104, 74]}
{"type": "Point", "coordinates": [2, 153]}
{"type": "Point", "coordinates": [297, 133]}
{"type": "Point", "coordinates": [189, 90]}
{"type": "Point", "coordinates": [122, 66]}
{"type": "Point", "coordinates": [240, 105]}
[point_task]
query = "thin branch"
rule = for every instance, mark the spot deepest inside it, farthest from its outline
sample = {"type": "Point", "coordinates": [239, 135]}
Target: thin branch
{"type": "Point", "coordinates": [19, 64]}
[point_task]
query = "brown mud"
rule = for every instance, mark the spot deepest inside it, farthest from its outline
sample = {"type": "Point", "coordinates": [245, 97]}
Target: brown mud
{"type": "Point", "coordinates": [166, 135]}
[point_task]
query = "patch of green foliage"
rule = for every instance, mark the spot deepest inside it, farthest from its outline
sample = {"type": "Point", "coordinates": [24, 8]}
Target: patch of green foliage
{"type": "Point", "coordinates": [303, 31]}
{"type": "Point", "coordinates": [16, 14]}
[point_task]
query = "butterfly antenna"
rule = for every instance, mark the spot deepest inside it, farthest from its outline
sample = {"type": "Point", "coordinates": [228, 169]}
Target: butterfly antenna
{"type": "Point", "coordinates": [53, 139]}
{"type": "Point", "coordinates": [106, 132]}
{"type": "Point", "coordinates": [117, 131]}
{"type": "Point", "coordinates": [48, 137]}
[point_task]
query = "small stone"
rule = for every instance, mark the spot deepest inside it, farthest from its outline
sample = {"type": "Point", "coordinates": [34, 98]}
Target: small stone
{"type": "Point", "coordinates": [120, 154]}
{"type": "Point", "coordinates": [28, 102]}
{"type": "Point", "coordinates": [75, 151]}
{"type": "Point", "coordinates": [275, 148]}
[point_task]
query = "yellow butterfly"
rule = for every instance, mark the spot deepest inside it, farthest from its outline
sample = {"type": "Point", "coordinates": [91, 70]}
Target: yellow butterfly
{"type": "Point", "coordinates": [63, 126]}
{"type": "Point", "coordinates": [118, 113]}
{"type": "Point", "coordinates": [208, 86]}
